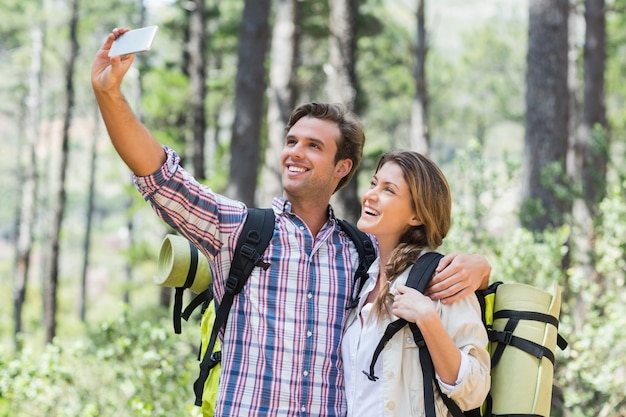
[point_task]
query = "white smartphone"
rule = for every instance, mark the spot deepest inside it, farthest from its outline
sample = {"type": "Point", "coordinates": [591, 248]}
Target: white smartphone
{"type": "Point", "coordinates": [133, 41]}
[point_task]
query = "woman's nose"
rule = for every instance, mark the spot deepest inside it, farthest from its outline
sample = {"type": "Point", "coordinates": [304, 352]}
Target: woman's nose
{"type": "Point", "coordinates": [370, 194]}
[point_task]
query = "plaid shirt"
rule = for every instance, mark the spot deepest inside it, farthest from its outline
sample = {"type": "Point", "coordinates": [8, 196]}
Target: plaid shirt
{"type": "Point", "coordinates": [280, 350]}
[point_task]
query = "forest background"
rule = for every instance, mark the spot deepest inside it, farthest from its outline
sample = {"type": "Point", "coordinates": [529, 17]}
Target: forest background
{"type": "Point", "coordinates": [522, 104]}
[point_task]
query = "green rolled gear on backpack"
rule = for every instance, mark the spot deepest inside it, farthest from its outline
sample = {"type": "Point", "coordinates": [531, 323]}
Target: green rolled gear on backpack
{"type": "Point", "coordinates": [523, 341]}
{"type": "Point", "coordinates": [181, 266]}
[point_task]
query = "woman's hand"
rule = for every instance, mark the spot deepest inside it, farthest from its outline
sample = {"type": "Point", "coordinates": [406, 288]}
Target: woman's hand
{"type": "Point", "coordinates": [413, 306]}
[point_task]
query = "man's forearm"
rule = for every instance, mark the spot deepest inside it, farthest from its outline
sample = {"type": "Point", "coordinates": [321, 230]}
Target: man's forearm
{"type": "Point", "coordinates": [136, 146]}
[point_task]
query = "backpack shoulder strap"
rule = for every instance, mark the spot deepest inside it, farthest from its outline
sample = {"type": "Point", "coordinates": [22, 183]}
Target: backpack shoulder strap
{"type": "Point", "coordinates": [255, 236]}
{"type": "Point", "coordinates": [421, 272]}
{"type": "Point", "coordinates": [367, 256]}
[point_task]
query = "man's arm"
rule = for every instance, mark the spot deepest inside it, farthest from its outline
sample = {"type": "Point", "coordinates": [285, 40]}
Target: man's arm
{"type": "Point", "coordinates": [458, 276]}
{"type": "Point", "coordinates": [136, 146]}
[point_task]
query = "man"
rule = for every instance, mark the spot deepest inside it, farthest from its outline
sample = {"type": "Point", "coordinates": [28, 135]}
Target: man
{"type": "Point", "coordinates": [280, 350]}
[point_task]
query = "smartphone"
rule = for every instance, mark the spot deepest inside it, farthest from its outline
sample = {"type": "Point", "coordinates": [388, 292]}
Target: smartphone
{"type": "Point", "coordinates": [133, 41]}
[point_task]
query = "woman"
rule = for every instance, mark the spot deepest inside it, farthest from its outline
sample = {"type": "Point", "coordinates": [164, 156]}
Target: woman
{"type": "Point", "coordinates": [407, 208]}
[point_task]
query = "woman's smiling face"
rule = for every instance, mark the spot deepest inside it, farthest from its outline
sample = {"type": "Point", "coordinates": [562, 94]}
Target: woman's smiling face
{"type": "Point", "coordinates": [387, 209]}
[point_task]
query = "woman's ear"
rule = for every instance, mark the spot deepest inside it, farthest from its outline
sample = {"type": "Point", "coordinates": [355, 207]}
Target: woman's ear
{"type": "Point", "coordinates": [415, 221]}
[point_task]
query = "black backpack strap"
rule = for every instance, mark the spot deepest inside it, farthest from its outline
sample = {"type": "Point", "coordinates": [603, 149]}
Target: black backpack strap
{"type": "Point", "coordinates": [180, 291]}
{"type": "Point", "coordinates": [367, 256]}
{"type": "Point", "coordinates": [419, 280]}
{"type": "Point", "coordinates": [429, 380]}
{"type": "Point", "coordinates": [254, 239]}
{"type": "Point", "coordinates": [421, 272]}
{"type": "Point", "coordinates": [201, 299]}
{"type": "Point", "coordinates": [506, 337]}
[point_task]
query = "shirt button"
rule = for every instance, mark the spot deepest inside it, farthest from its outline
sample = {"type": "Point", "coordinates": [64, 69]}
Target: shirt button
{"type": "Point", "coordinates": [305, 373]}
{"type": "Point", "coordinates": [409, 340]}
{"type": "Point", "coordinates": [309, 295]}
{"type": "Point", "coordinates": [303, 409]}
{"type": "Point", "coordinates": [309, 333]}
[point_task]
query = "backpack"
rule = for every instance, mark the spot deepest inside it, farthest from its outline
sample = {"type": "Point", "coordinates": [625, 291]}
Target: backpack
{"type": "Point", "coordinates": [254, 239]}
{"type": "Point", "coordinates": [522, 325]}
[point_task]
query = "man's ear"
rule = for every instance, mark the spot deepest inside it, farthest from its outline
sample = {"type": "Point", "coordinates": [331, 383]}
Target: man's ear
{"type": "Point", "coordinates": [343, 168]}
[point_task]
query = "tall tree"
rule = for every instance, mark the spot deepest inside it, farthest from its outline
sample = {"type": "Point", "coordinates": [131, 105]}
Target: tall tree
{"type": "Point", "coordinates": [419, 134]}
{"type": "Point", "coordinates": [594, 138]}
{"type": "Point", "coordinates": [28, 189]}
{"type": "Point", "coordinates": [590, 151]}
{"type": "Point", "coordinates": [282, 92]}
{"type": "Point", "coordinates": [91, 188]}
{"type": "Point", "coordinates": [250, 86]}
{"type": "Point", "coordinates": [196, 63]}
{"type": "Point", "coordinates": [50, 289]}
{"type": "Point", "coordinates": [342, 86]}
{"type": "Point", "coordinates": [546, 191]}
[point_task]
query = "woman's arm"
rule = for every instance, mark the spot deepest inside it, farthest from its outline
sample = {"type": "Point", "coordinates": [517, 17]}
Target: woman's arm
{"type": "Point", "coordinates": [459, 329]}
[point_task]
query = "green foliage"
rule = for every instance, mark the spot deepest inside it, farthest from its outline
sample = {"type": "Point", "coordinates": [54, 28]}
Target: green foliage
{"type": "Point", "coordinates": [477, 183]}
{"type": "Point", "coordinates": [386, 103]}
{"type": "Point", "coordinates": [164, 105]}
{"type": "Point", "coordinates": [489, 70]}
{"type": "Point", "coordinates": [124, 367]}
{"type": "Point", "coordinates": [593, 374]}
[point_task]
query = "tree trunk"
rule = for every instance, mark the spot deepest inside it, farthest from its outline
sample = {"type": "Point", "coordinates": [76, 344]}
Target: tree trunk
{"type": "Point", "coordinates": [249, 99]}
{"type": "Point", "coordinates": [545, 201]}
{"type": "Point", "coordinates": [590, 152]}
{"type": "Point", "coordinates": [197, 63]}
{"type": "Point", "coordinates": [342, 87]}
{"type": "Point", "coordinates": [594, 138]}
{"type": "Point", "coordinates": [50, 292]}
{"type": "Point", "coordinates": [89, 217]}
{"type": "Point", "coordinates": [282, 93]}
{"type": "Point", "coordinates": [28, 182]}
{"type": "Point", "coordinates": [419, 135]}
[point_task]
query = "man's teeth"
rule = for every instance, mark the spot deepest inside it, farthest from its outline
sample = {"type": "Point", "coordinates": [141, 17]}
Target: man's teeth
{"type": "Point", "coordinates": [296, 169]}
{"type": "Point", "coordinates": [372, 212]}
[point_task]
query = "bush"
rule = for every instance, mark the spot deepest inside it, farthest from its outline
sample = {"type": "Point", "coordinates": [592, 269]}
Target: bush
{"type": "Point", "coordinates": [125, 367]}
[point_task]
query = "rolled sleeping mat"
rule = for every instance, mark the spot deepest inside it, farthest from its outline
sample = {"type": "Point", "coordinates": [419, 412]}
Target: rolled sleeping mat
{"type": "Point", "coordinates": [521, 382]}
{"type": "Point", "coordinates": [181, 265]}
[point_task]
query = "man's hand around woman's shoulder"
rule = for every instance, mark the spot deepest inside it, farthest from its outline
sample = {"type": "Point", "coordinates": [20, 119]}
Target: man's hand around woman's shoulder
{"type": "Point", "coordinates": [458, 275]}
